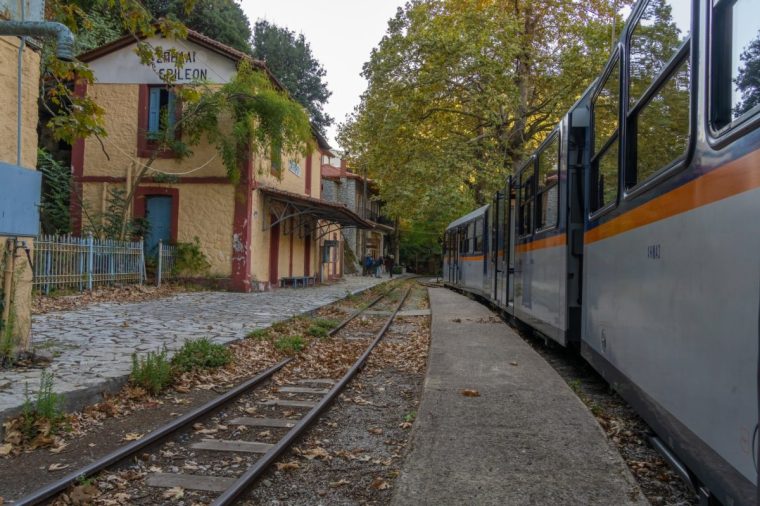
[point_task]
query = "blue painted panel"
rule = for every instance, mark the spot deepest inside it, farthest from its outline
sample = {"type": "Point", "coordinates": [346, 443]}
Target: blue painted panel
{"type": "Point", "coordinates": [158, 212]}
{"type": "Point", "coordinates": [20, 191]}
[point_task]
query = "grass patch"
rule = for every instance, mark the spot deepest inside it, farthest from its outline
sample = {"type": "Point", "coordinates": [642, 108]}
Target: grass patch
{"type": "Point", "coordinates": [326, 323]}
{"type": "Point", "coordinates": [201, 354]}
{"type": "Point", "coordinates": [409, 417]}
{"type": "Point", "coordinates": [259, 334]}
{"type": "Point", "coordinates": [317, 331]}
{"type": "Point", "coordinates": [289, 344]}
{"type": "Point", "coordinates": [280, 326]}
{"type": "Point", "coordinates": [153, 372]}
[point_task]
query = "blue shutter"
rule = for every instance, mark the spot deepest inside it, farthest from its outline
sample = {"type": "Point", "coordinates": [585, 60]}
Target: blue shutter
{"type": "Point", "coordinates": [154, 109]}
{"type": "Point", "coordinates": [171, 108]}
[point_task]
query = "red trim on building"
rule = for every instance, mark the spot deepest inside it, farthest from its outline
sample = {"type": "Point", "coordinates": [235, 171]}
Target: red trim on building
{"type": "Point", "coordinates": [290, 261]}
{"type": "Point", "coordinates": [138, 210]}
{"type": "Point", "coordinates": [308, 174]}
{"type": "Point", "coordinates": [77, 169]}
{"type": "Point", "coordinates": [274, 252]}
{"type": "Point", "coordinates": [145, 148]}
{"type": "Point", "coordinates": [241, 230]}
{"type": "Point", "coordinates": [307, 256]}
{"type": "Point", "coordinates": [175, 180]}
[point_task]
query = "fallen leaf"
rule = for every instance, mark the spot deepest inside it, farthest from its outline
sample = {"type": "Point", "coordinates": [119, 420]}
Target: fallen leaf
{"type": "Point", "coordinates": [405, 425]}
{"type": "Point", "coordinates": [6, 449]}
{"type": "Point", "coordinates": [83, 494]}
{"type": "Point", "coordinates": [265, 433]}
{"type": "Point", "coordinates": [375, 430]}
{"type": "Point", "coordinates": [467, 392]}
{"type": "Point", "coordinates": [339, 483]}
{"type": "Point", "coordinates": [59, 448]}
{"type": "Point", "coordinates": [57, 467]}
{"type": "Point", "coordinates": [174, 493]}
{"type": "Point", "coordinates": [317, 453]}
{"type": "Point", "coordinates": [182, 389]}
{"type": "Point", "coordinates": [379, 484]}
{"type": "Point", "coordinates": [513, 363]}
{"type": "Point", "coordinates": [132, 436]}
{"type": "Point", "coordinates": [287, 466]}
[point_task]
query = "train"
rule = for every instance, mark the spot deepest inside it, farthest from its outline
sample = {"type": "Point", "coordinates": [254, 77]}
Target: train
{"type": "Point", "coordinates": [632, 234]}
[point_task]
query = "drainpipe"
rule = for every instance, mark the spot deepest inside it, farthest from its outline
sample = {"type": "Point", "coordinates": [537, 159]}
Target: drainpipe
{"type": "Point", "coordinates": [64, 51]}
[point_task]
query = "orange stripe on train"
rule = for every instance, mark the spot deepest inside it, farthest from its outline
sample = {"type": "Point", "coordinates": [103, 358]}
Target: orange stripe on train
{"type": "Point", "coordinates": [735, 177]}
{"type": "Point", "coordinates": [549, 242]}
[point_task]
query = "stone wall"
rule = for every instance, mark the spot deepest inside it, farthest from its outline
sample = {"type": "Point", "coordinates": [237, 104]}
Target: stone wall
{"type": "Point", "coordinates": [21, 295]}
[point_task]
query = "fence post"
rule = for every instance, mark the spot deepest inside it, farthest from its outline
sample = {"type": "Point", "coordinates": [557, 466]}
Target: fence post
{"type": "Point", "coordinates": [90, 259]}
{"type": "Point", "coordinates": [160, 260]}
{"type": "Point", "coordinates": [142, 260]}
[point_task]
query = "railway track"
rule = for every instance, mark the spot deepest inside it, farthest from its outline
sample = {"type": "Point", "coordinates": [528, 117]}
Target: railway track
{"type": "Point", "coordinates": [286, 415]}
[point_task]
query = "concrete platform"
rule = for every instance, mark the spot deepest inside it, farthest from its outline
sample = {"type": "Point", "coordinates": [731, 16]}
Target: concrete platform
{"type": "Point", "coordinates": [527, 439]}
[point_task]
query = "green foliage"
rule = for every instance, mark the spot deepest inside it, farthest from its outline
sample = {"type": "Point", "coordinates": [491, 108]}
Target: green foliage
{"type": "Point", "coordinates": [459, 91]}
{"type": "Point", "coordinates": [6, 336]}
{"type": "Point", "coordinates": [317, 331]}
{"type": "Point", "coordinates": [326, 323]}
{"type": "Point", "coordinates": [201, 354]}
{"type": "Point", "coordinates": [259, 334]}
{"type": "Point", "coordinates": [747, 81]}
{"type": "Point", "coordinates": [409, 417]}
{"type": "Point", "coordinates": [189, 259]}
{"type": "Point", "coordinates": [115, 222]}
{"type": "Point", "coordinates": [56, 193]}
{"type": "Point", "coordinates": [289, 344]}
{"type": "Point", "coordinates": [153, 372]}
{"type": "Point", "coordinates": [280, 326]}
{"type": "Point", "coordinates": [222, 20]}
{"type": "Point", "coordinates": [47, 406]}
{"type": "Point", "coordinates": [290, 59]}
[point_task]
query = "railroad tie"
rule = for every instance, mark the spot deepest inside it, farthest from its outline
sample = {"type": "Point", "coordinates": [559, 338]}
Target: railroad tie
{"type": "Point", "coordinates": [190, 482]}
{"type": "Point", "coordinates": [318, 381]}
{"type": "Point", "coordinates": [224, 445]}
{"type": "Point", "coordinates": [302, 390]}
{"type": "Point", "coordinates": [264, 422]}
{"type": "Point", "coordinates": [288, 403]}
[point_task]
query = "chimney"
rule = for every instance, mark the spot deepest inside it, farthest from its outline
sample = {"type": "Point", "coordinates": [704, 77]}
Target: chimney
{"type": "Point", "coordinates": [342, 168]}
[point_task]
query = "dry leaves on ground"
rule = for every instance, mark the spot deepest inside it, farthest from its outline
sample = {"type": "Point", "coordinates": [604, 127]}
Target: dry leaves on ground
{"type": "Point", "coordinates": [469, 392]}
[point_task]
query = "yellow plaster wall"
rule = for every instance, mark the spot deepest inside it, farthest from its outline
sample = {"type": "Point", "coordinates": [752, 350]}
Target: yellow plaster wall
{"type": "Point", "coordinates": [205, 211]}
{"type": "Point", "coordinates": [289, 181]}
{"type": "Point", "coordinates": [259, 239]}
{"type": "Point", "coordinates": [120, 102]}
{"type": "Point", "coordinates": [21, 296]}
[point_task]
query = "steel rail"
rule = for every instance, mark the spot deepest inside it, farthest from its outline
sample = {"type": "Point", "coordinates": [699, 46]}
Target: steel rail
{"type": "Point", "coordinates": [119, 454]}
{"type": "Point", "coordinates": [254, 472]}
{"type": "Point", "coordinates": [355, 314]}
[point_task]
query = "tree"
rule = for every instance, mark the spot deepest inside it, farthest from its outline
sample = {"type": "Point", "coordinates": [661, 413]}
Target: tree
{"type": "Point", "coordinates": [459, 90]}
{"type": "Point", "coordinates": [290, 59]}
{"type": "Point", "coordinates": [748, 78]}
{"type": "Point", "coordinates": [222, 20]}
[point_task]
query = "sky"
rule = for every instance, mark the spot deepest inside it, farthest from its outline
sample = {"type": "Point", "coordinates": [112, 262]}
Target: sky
{"type": "Point", "coordinates": [341, 34]}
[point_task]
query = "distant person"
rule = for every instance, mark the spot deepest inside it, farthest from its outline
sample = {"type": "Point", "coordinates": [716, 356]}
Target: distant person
{"type": "Point", "coordinates": [378, 265]}
{"type": "Point", "coordinates": [389, 263]}
{"type": "Point", "coordinates": [367, 264]}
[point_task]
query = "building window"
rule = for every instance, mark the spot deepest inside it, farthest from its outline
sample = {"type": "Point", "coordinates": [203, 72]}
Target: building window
{"type": "Point", "coordinates": [294, 167]}
{"type": "Point", "coordinates": [605, 165]}
{"type": "Point", "coordinates": [735, 61]}
{"type": "Point", "coordinates": [548, 185]}
{"type": "Point", "coordinates": [162, 111]}
{"type": "Point", "coordinates": [525, 221]}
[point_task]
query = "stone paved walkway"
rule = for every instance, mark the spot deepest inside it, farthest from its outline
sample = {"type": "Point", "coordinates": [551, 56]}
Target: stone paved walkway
{"type": "Point", "coordinates": [93, 346]}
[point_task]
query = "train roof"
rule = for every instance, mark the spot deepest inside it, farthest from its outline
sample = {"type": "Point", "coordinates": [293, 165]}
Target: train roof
{"type": "Point", "coordinates": [477, 213]}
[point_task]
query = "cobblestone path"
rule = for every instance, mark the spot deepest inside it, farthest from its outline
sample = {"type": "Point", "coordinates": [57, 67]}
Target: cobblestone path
{"type": "Point", "coordinates": [93, 346]}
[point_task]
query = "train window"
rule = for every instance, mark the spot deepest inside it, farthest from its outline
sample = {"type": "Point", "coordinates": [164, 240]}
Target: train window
{"type": "Point", "coordinates": [478, 237]}
{"type": "Point", "coordinates": [736, 61]}
{"type": "Point", "coordinates": [663, 28]}
{"type": "Point", "coordinates": [662, 125]}
{"type": "Point", "coordinates": [548, 184]}
{"type": "Point", "coordinates": [525, 216]}
{"type": "Point", "coordinates": [471, 237]}
{"type": "Point", "coordinates": [605, 164]}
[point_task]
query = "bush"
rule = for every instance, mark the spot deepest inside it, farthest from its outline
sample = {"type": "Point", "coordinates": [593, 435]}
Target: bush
{"type": "Point", "coordinates": [326, 323]}
{"type": "Point", "coordinates": [201, 354]}
{"type": "Point", "coordinates": [260, 334]}
{"type": "Point", "coordinates": [290, 344]}
{"type": "Point", "coordinates": [46, 407]}
{"type": "Point", "coordinates": [152, 373]}
{"type": "Point", "coordinates": [190, 260]}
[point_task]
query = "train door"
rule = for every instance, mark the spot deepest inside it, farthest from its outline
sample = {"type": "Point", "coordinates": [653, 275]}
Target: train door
{"type": "Point", "coordinates": [497, 244]}
{"type": "Point", "coordinates": [509, 242]}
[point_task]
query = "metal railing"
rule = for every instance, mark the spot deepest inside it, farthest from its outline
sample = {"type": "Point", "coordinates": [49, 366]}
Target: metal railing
{"type": "Point", "coordinates": [167, 255]}
{"type": "Point", "coordinates": [84, 262]}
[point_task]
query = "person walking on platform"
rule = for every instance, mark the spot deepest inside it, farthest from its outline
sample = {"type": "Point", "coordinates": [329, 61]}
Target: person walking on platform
{"type": "Point", "coordinates": [389, 263]}
{"type": "Point", "coordinates": [377, 265]}
{"type": "Point", "coordinates": [367, 264]}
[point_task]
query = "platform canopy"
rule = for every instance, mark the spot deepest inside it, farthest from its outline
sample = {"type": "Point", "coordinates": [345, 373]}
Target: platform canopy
{"type": "Point", "coordinates": [308, 210]}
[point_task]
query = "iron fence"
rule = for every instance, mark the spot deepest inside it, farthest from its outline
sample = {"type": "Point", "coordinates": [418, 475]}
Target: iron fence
{"type": "Point", "coordinates": [167, 255]}
{"type": "Point", "coordinates": [84, 262]}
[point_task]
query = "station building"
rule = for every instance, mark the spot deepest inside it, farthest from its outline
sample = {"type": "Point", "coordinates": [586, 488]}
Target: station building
{"type": "Point", "coordinates": [272, 228]}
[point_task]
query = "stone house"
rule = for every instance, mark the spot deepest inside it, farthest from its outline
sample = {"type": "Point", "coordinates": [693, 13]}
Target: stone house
{"type": "Point", "coordinates": [356, 192]}
{"type": "Point", "coordinates": [259, 233]}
